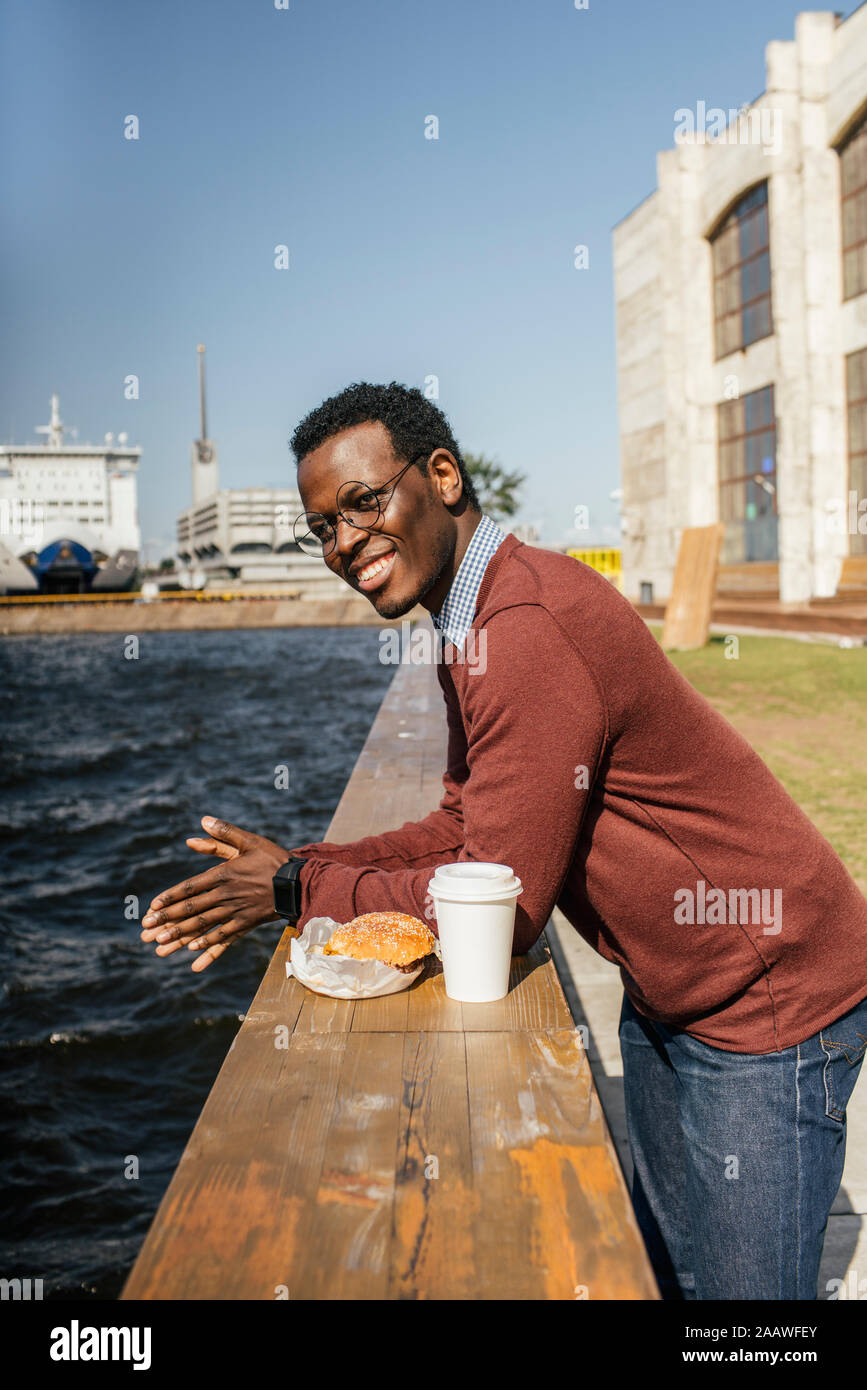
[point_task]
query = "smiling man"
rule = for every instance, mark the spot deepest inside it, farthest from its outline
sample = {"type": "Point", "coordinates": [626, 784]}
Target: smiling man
{"type": "Point", "coordinates": [583, 759]}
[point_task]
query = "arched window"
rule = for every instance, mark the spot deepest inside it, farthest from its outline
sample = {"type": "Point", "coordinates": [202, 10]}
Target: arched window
{"type": "Point", "coordinates": [742, 274]}
{"type": "Point", "coordinates": [853, 211]}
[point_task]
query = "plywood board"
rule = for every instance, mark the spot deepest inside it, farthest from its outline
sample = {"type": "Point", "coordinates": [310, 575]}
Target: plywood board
{"type": "Point", "coordinates": [688, 612]}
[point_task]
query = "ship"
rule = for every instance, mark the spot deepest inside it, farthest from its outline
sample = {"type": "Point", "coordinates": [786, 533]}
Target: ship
{"type": "Point", "coordinates": [68, 514]}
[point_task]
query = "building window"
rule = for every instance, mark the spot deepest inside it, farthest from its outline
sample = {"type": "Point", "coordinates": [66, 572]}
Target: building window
{"type": "Point", "coordinates": [742, 274]}
{"type": "Point", "coordinates": [856, 398]}
{"type": "Point", "coordinates": [748, 477]}
{"type": "Point", "coordinates": [853, 188]}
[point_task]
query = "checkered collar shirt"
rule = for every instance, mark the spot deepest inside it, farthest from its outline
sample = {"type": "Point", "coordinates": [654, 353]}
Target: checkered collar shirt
{"type": "Point", "coordinates": [457, 613]}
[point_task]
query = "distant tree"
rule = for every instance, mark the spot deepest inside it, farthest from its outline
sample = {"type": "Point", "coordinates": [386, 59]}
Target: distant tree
{"type": "Point", "coordinates": [167, 563]}
{"type": "Point", "coordinates": [497, 489]}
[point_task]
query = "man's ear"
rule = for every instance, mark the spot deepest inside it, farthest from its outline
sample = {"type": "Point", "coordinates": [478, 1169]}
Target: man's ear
{"type": "Point", "coordinates": [446, 477]}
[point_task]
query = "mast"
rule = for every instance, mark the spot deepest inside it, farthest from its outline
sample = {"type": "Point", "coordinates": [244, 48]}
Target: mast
{"type": "Point", "coordinates": [55, 429]}
{"type": "Point", "coordinates": [204, 451]}
{"type": "Point", "coordinates": [201, 351]}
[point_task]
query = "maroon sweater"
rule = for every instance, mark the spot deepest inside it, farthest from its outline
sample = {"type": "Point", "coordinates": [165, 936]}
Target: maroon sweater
{"type": "Point", "coordinates": [674, 806]}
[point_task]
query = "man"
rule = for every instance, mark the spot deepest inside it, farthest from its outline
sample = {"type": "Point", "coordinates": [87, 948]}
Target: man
{"type": "Point", "coordinates": [581, 757]}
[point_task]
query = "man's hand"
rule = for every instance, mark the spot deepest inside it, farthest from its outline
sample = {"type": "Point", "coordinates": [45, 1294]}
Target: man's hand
{"type": "Point", "coordinates": [216, 907]}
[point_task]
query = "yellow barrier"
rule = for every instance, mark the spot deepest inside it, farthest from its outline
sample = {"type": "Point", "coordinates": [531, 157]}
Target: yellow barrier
{"type": "Point", "coordinates": [134, 595]}
{"type": "Point", "coordinates": [607, 562]}
{"type": "Point", "coordinates": [69, 598]}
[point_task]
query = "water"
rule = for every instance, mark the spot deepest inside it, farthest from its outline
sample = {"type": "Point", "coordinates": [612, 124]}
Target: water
{"type": "Point", "coordinates": [108, 765]}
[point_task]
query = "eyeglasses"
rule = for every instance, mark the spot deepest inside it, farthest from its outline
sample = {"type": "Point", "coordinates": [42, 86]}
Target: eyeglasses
{"type": "Point", "coordinates": [360, 506]}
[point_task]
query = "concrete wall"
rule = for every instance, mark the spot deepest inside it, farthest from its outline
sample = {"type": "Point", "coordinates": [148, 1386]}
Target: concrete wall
{"type": "Point", "coordinates": [182, 615]}
{"type": "Point", "coordinates": [641, 391]}
{"type": "Point", "coordinates": [669, 383]}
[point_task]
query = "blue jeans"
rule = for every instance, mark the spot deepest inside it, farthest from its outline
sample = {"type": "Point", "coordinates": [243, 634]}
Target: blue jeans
{"type": "Point", "coordinates": [738, 1157]}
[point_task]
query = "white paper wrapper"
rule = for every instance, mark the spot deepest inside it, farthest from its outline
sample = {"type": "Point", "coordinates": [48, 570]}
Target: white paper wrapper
{"type": "Point", "coordinates": [340, 976]}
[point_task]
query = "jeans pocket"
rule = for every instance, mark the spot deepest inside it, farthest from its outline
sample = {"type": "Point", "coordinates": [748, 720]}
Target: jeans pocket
{"type": "Point", "coordinates": [844, 1043]}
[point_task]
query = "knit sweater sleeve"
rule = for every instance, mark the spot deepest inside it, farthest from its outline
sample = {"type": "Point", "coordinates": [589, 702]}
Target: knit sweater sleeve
{"type": "Point", "coordinates": [530, 766]}
{"type": "Point", "coordinates": [437, 838]}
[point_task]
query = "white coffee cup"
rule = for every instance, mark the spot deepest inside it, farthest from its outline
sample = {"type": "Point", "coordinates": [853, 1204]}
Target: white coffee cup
{"type": "Point", "coordinates": [475, 907]}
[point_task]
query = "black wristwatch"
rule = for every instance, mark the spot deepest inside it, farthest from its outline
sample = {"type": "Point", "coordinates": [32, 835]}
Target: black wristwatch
{"type": "Point", "coordinates": [287, 889]}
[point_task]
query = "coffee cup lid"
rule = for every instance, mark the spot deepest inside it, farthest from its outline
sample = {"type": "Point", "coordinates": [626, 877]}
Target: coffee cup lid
{"type": "Point", "coordinates": [471, 879]}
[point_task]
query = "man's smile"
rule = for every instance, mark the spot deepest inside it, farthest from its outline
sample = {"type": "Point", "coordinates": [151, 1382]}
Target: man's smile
{"type": "Point", "coordinates": [372, 574]}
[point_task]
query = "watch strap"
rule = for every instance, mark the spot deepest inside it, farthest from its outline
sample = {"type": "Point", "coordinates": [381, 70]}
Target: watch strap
{"type": "Point", "coordinates": [287, 889]}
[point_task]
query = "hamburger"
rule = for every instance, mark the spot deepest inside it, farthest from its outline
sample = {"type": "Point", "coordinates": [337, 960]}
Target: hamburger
{"type": "Point", "coordinates": [393, 937]}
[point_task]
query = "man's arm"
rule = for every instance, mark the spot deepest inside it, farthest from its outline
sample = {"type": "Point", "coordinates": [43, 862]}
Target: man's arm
{"type": "Point", "coordinates": [537, 725]}
{"type": "Point", "coordinates": [208, 911]}
{"type": "Point", "coordinates": [438, 838]}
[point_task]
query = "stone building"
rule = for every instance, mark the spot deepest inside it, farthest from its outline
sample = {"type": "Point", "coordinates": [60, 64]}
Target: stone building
{"type": "Point", "coordinates": [241, 537]}
{"type": "Point", "coordinates": [741, 295]}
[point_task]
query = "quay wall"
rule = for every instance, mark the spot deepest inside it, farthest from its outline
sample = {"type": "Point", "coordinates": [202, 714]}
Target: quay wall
{"type": "Point", "coordinates": [190, 615]}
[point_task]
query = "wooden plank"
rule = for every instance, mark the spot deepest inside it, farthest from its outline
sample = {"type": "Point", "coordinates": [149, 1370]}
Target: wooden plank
{"type": "Point", "coordinates": [322, 1014]}
{"type": "Point", "coordinates": [278, 997]}
{"type": "Point", "coordinates": [385, 1165]}
{"type": "Point", "coordinates": [688, 613]}
{"type": "Point", "coordinates": [389, 1014]}
{"type": "Point", "coordinates": [348, 1253]}
{"type": "Point", "coordinates": [240, 1203]}
{"type": "Point", "coordinates": [436, 1201]}
{"type": "Point", "coordinates": [542, 1153]}
{"type": "Point", "coordinates": [535, 1000]}
{"type": "Point", "coordinates": [430, 1009]}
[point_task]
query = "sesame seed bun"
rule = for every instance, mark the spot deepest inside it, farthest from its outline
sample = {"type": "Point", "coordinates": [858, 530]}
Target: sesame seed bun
{"type": "Point", "coordinates": [393, 937]}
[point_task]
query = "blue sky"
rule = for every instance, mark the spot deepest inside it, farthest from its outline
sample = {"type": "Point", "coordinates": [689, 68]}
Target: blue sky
{"type": "Point", "coordinates": [409, 257]}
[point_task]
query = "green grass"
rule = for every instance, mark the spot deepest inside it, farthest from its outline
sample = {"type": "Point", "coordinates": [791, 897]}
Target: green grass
{"type": "Point", "coordinates": [803, 707]}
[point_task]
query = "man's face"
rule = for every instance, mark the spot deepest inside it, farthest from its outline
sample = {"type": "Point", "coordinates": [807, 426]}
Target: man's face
{"type": "Point", "coordinates": [415, 535]}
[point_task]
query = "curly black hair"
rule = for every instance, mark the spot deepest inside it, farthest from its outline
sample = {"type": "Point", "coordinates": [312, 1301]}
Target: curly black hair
{"type": "Point", "coordinates": [415, 425]}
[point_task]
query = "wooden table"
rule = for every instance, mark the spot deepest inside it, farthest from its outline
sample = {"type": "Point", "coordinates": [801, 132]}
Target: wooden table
{"type": "Point", "coordinates": [405, 1147]}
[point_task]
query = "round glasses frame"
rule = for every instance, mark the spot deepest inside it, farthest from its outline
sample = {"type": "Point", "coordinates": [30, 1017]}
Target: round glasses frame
{"type": "Point", "coordinates": [316, 535]}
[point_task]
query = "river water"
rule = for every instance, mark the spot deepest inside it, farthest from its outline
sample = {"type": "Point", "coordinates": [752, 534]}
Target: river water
{"type": "Point", "coordinates": [110, 759]}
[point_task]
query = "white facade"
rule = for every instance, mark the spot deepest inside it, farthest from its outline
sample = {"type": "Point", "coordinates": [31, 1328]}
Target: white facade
{"type": "Point", "coordinates": [670, 382]}
{"type": "Point", "coordinates": [80, 493]}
